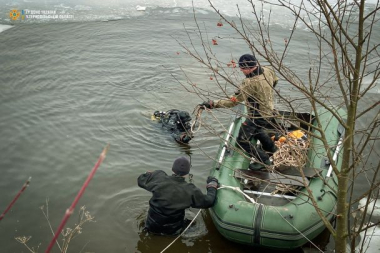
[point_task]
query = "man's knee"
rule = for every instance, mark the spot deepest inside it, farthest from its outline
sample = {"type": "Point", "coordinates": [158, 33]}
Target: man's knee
{"type": "Point", "coordinates": [243, 140]}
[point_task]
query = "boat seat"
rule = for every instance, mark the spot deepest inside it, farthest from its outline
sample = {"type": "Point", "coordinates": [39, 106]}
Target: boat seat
{"type": "Point", "coordinates": [269, 177]}
{"type": "Point", "coordinates": [292, 171]}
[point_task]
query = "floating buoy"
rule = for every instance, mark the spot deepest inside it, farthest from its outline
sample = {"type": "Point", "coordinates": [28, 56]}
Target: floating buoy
{"type": "Point", "coordinates": [219, 24]}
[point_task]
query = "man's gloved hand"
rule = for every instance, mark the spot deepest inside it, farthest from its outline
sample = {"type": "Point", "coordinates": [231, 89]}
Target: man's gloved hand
{"type": "Point", "coordinates": [212, 182]}
{"type": "Point", "coordinates": [210, 179]}
{"type": "Point", "coordinates": [185, 138]}
{"type": "Point", "coordinates": [209, 104]}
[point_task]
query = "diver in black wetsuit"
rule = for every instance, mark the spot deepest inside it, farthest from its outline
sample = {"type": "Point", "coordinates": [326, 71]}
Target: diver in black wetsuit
{"type": "Point", "coordinates": [172, 195]}
{"type": "Point", "coordinates": [177, 122]}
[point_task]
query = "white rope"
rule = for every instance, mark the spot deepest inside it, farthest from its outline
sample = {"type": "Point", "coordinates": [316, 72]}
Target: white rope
{"type": "Point", "coordinates": [253, 201]}
{"type": "Point", "coordinates": [198, 119]}
{"type": "Point", "coordinates": [238, 190]}
{"type": "Point", "coordinates": [183, 231]}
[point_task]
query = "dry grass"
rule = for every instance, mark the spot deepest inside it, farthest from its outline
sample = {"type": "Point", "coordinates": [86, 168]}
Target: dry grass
{"type": "Point", "coordinates": [68, 234]}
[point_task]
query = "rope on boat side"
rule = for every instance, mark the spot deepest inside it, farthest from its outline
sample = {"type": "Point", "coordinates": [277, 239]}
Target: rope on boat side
{"type": "Point", "coordinates": [238, 190]}
{"type": "Point", "coordinates": [254, 202]}
{"type": "Point", "coordinates": [183, 231]}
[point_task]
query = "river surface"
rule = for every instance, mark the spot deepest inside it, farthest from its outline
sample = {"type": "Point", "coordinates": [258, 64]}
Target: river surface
{"type": "Point", "coordinates": [69, 88]}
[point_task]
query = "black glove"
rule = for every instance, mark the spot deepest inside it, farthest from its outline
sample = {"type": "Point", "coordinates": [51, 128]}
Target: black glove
{"type": "Point", "coordinates": [185, 138]}
{"type": "Point", "coordinates": [209, 104]}
{"type": "Point", "coordinates": [210, 179]}
{"type": "Point", "coordinates": [212, 182]}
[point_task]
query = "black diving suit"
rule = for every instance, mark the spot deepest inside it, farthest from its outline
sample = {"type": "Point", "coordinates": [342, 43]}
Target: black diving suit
{"type": "Point", "coordinates": [171, 196]}
{"type": "Point", "coordinates": [178, 123]}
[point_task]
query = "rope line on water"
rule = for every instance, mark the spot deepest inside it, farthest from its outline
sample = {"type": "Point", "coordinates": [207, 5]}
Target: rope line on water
{"type": "Point", "coordinates": [183, 231]}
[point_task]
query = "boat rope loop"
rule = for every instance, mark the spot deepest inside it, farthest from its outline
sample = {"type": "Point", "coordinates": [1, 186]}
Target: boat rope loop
{"type": "Point", "coordinates": [254, 202]}
{"type": "Point", "coordinates": [183, 231]}
{"type": "Point", "coordinates": [238, 190]}
{"type": "Point", "coordinates": [198, 120]}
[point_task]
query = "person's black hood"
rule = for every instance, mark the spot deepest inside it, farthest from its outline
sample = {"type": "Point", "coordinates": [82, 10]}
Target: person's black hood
{"type": "Point", "coordinates": [181, 166]}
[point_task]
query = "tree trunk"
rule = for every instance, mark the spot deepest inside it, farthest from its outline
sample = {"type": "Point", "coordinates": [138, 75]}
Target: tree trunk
{"type": "Point", "coordinates": [342, 214]}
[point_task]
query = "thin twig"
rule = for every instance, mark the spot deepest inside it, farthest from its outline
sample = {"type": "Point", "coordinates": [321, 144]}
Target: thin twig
{"type": "Point", "coordinates": [47, 219]}
{"type": "Point", "coordinates": [26, 184]}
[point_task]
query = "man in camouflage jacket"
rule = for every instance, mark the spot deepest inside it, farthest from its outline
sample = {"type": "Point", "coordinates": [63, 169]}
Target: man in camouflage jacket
{"type": "Point", "coordinates": [256, 91]}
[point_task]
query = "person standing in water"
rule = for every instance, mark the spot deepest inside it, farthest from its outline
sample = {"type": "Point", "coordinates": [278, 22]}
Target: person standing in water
{"type": "Point", "coordinates": [172, 195]}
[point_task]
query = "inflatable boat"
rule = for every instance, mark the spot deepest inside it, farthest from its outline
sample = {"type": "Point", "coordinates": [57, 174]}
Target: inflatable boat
{"type": "Point", "coordinates": [250, 208]}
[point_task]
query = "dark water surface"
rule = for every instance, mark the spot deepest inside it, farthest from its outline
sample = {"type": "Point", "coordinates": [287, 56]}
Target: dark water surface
{"type": "Point", "coordinates": [68, 89]}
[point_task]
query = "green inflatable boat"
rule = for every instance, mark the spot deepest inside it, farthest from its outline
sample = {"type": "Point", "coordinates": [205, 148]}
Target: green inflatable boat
{"type": "Point", "coordinates": [252, 206]}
